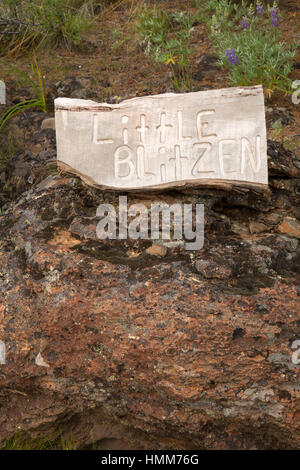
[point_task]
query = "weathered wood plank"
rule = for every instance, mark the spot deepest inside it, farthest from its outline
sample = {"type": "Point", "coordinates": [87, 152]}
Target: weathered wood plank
{"type": "Point", "coordinates": [215, 138]}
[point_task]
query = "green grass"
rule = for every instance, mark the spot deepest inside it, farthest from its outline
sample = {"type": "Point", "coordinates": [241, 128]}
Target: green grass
{"type": "Point", "coordinates": [22, 441]}
{"type": "Point", "coordinates": [36, 84]}
{"type": "Point", "coordinates": [165, 38]}
{"type": "Point", "coordinates": [30, 23]}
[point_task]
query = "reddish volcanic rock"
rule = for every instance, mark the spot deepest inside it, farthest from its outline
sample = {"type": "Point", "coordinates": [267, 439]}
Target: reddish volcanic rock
{"type": "Point", "coordinates": [107, 342]}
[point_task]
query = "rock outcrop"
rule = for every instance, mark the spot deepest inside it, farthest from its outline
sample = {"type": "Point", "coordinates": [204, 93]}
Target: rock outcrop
{"type": "Point", "coordinates": [135, 347]}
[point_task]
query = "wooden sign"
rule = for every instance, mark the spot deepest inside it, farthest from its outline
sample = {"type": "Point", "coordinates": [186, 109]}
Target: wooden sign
{"type": "Point", "coordinates": [215, 137]}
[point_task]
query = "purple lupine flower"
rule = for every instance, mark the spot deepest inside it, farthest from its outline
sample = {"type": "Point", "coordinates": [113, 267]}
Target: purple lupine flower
{"type": "Point", "coordinates": [275, 22]}
{"type": "Point", "coordinates": [274, 17]}
{"type": "Point", "coordinates": [245, 24]}
{"type": "Point", "coordinates": [259, 9]}
{"type": "Point", "coordinates": [231, 56]}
